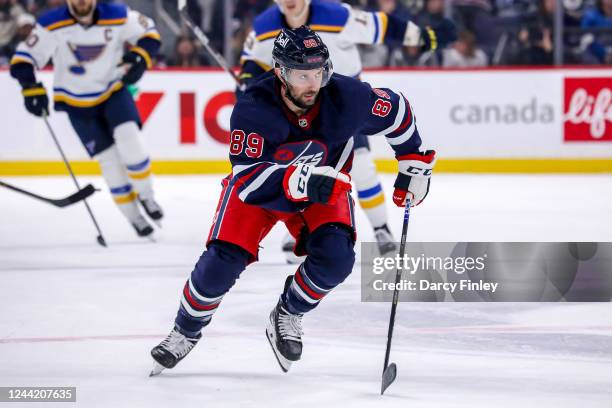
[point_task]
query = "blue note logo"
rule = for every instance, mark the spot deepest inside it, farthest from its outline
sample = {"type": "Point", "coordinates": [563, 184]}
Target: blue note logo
{"type": "Point", "coordinates": [84, 54]}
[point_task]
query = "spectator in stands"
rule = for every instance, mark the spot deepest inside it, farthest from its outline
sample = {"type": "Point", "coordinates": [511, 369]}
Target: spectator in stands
{"type": "Point", "coordinates": [464, 53]}
{"type": "Point", "coordinates": [600, 17]}
{"type": "Point", "coordinates": [185, 54]}
{"type": "Point", "coordinates": [381, 55]}
{"type": "Point", "coordinates": [432, 13]}
{"type": "Point", "coordinates": [25, 23]}
{"type": "Point", "coordinates": [9, 11]}
{"type": "Point", "coordinates": [536, 35]}
{"type": "Point", "coordinates": [475, 16]}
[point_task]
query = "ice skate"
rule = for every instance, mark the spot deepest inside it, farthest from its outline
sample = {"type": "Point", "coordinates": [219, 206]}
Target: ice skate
{"type": "Point", "coordinates": [284, 333]}
{"type": "Point", "coordinates": [143, 228]}
{"type": "Point", "coordinates": [153, 209]}
{"type": "Point", "coordinates": [384, 239]}
{"type": "Point", "coordinates": [171, 350]}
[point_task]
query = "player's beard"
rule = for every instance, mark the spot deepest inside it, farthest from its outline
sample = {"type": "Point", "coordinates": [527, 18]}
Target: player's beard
{"type": "Point", "coordinates": [300, 100]}
{"type": "Point", "coordinates": [81, 12]}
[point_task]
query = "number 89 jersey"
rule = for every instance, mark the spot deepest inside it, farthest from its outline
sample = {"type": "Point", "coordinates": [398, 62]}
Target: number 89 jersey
{"type": "Point", "coordinates": [267, 138]}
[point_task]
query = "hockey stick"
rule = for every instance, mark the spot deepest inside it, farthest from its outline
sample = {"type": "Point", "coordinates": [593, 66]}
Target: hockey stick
{"type": "Point", "coordinates": [390, 370]}
{"type": "Point", "coordinates": [61, 202]}
{"type": "Point", "coordinates": [100, 237]}
{"type": "Point", "coordinates": [197, 31]}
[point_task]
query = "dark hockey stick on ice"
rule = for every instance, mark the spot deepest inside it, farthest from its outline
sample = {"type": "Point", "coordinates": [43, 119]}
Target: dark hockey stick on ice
{"type": "Point", "coordinates": [182, 8]}
{"type": "Point", "coordinates": [100, 237]}
{"type": "Point", "coordinates": [60, 202]}
{"type": "Point", "coordinates": [390, 370]}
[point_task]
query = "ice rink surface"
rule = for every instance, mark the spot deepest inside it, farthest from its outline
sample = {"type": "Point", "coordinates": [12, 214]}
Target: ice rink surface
{"type": "Point", "coordinates": [75, 314]}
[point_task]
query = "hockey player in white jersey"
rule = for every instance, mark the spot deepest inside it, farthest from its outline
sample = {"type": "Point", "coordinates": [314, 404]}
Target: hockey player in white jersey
{"type": "Point", "coordinates": [86, 42]}
{"type": "Point", "coordinates": [342, 28]}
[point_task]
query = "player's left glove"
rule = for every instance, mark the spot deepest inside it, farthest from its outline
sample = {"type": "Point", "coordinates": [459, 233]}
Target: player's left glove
{"type": "Point", "coordinates": [438, 36]}
{"type": "Point", "coordinates": [304, 182]}
{"type": "Point", "coordinates": [137, 67]}
{"type": "Point", "coordinates": [413, 178]}
{"type": "Point", "coordinates": [35, 98]}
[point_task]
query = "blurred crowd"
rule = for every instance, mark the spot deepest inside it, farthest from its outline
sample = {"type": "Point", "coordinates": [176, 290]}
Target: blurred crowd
{"type": "Point", "coordinates": [491, 32]}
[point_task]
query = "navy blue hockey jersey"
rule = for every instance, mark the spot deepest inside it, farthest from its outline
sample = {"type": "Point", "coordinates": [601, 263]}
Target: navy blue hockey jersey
{"type": "Point", "coordinates": [267, 138]}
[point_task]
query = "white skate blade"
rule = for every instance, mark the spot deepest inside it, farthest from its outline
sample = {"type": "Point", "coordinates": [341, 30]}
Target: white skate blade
{"type": "Point", "coordinates": [157, 223]}
{"type": "Point", "coordinates": [157, 369]}
{"type": "Point", "coordinates": [284, 364]}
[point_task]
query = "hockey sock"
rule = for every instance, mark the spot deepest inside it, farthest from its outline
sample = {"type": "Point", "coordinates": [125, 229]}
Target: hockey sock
{"type": "Point", "coordinates": [214, 274]}
{"type": "Point", "coordinates": [369, 189]}
{"type": "Point", "coordinates": [134, 156]}
{"type": "Point", "coordinates": [117, 180]}
{"type": "Point", "coordinates": [330, 260]}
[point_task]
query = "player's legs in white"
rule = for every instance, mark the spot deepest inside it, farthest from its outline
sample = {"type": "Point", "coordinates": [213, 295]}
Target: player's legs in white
{"type": "Point", "coordinates": [121, 189]}
{"type": "Point", "coordinates": [134, 157]}
{"type": "Point", "coordinates": [371, 197]}
{"type": "Point", "coordinates": [138, 165]}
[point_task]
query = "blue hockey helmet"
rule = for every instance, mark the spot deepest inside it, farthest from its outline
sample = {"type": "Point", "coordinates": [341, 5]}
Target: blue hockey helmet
{"type": "Point", "coordinates": [301, 49]}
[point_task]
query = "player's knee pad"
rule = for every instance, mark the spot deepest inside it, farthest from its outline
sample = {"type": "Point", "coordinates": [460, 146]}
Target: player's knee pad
{"type": "Point", "coordinates": [218, 268]}
{"type": "Point", "coordinates": [117, 179]}
{"type": "Point", "coordinates": [128, 140]}
{"type": "Point", "coordinates": [112, 167]}
{"type": "Point", "coordinates": [331, 255]}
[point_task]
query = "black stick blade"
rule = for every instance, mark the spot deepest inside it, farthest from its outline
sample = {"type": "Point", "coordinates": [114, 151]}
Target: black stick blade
{"type": "Point", "coordinates": [388, 377]}
{"type": "Point", "coordinates": [101, 241]}
{"type": "Point", "coordinates": [78, 196]}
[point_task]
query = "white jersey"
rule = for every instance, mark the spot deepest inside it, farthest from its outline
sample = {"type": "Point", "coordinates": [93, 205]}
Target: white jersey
{"type": "Point", "coordinates": [85, 59]}
{"type": "Point", "coordinates": [340, 27]}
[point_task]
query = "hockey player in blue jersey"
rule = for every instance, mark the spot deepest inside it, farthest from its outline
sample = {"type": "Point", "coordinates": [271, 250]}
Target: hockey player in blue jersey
{"type": "Point", "coordinates": [291, 150]}
{"type": "Point", "coordinates": [86, 42]}
{"type": "Point", "coordinates": [342, 28]}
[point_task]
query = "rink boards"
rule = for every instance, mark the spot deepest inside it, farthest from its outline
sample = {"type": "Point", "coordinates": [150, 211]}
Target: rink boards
{"type": "Point", "coordinates": [501, 120]}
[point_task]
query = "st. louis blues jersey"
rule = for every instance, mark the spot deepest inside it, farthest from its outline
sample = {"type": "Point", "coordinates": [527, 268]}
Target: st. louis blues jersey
{"type": "Point", "coordinates": [340, 27]}
{"type": "Point", "coordinates": [266, 138]}
{"type": "Point", "coordinates": [85, 59]}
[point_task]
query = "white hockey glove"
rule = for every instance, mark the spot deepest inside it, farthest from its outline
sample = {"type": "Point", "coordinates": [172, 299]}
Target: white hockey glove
{"type": "Point", "coordinates": [303, 182]}
{"type": "Point", "coordinates": [413, 178]}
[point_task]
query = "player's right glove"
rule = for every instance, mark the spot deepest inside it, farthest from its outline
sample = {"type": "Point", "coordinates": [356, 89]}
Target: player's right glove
{"type": "Point", "coordinates": [413, 177]}
{"type": "Point", "coordinates": [35, 98]}
{"type": "Point", "coordinates": [304, 182]}
{"type": "Point", "coordinates": [438, 36]}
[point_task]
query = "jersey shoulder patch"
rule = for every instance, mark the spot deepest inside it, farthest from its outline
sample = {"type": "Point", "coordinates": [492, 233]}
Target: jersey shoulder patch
{"type": "Point", "coordinates": [267, 25]}
{"type": "Point", "coordinates": [112, 14]}
{"type": "Point", "coordinates": [56, 18]}
{"type": "Point", "coordinates": [328, 17]}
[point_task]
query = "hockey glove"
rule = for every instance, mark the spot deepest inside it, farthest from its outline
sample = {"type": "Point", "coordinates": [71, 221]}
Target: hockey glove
{"type": "Point", "coordinates": [413, 178]}
{"type": "Point", "coordinates": [35, 98]}
{"type": "Point", "coordinates": [438, 36]}
{"type": "Point", "coordinates": [137, 67]}
{"type": "Point", "coordinates": [303, 182]}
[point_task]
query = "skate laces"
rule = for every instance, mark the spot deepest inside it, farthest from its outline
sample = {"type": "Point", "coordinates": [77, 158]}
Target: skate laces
{"type": "Point", "coordinates": [290, 326]}
{"type": "Point", "coordinates": [177, 344]}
